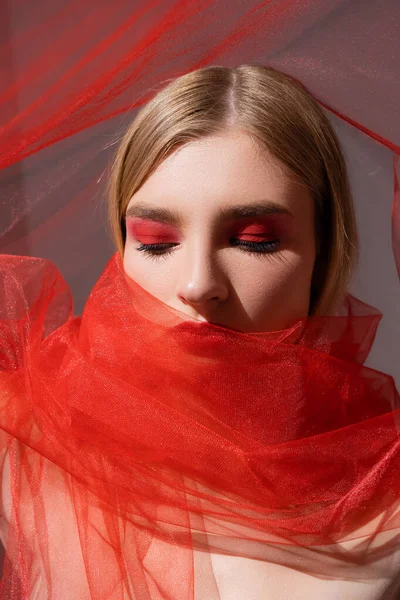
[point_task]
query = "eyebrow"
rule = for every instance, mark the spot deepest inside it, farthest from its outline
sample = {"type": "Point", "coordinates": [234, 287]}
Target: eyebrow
{"type": "Point", "coordinates": [165, 215]}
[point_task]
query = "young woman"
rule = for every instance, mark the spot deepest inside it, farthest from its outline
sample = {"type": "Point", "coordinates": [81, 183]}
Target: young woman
{"type": "Point", "coordinates": [206, 429]}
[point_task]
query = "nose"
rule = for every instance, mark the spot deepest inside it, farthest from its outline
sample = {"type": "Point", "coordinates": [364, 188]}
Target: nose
{"type": "Point", "coordinates": [202, 283]}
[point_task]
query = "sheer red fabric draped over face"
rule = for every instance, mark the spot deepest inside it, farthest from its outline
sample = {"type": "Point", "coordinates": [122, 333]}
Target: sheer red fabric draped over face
{"type": "Point", "coordinates": [172, 442]}
{"type": "Point", "coordinates": [137, 450]}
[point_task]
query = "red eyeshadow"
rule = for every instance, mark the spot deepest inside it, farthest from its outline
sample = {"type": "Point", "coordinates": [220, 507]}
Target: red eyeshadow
{"type": "Point", "coordinates": [146, 231]}
{"type": "Point", "coordinates": [260, 230]}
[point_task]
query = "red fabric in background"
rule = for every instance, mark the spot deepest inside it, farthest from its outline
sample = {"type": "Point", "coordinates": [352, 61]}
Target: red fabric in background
{"type": "Point", "coordinates": [67, 68]}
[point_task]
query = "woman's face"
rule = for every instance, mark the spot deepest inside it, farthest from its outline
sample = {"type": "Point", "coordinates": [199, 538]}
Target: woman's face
{"type": "Point", "coordinates": [224, 232]}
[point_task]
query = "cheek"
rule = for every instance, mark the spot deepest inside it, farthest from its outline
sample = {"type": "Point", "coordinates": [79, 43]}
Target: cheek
{"type": "Point", "coordinates": [276, 288]}
{"type": "Point", "coordinates": [156, 277]}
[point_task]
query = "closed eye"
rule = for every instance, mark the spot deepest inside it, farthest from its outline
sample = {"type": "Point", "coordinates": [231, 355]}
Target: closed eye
{"type": "Point", "coordinates": [165, 249]}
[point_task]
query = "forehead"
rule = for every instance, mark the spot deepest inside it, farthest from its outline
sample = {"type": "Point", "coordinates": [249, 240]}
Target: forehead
{"type": "Point", "coordinates": [219, 171]}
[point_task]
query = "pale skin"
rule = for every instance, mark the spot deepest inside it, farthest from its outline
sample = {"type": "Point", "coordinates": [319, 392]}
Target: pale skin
{"type": "Point", "coordinates": [208, 267]}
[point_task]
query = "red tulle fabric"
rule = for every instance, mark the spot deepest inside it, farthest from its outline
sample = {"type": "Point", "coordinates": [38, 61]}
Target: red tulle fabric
{"type": "Point", "coordinates": [138, 444]}
{"type": "Point", "coordinates": [139, 456]}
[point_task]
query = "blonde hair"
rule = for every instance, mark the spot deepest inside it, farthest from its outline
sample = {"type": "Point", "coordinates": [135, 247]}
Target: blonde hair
{"type": "Point", "coordinates": [279, 113]}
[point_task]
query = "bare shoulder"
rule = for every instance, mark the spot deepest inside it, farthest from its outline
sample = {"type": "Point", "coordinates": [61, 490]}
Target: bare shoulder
{"type": "Point", "coordinates": [10, 391]}
{"type": "Point", "coordinates": [5, 496]}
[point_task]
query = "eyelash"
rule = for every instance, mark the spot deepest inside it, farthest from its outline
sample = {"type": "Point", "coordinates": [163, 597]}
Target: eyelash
{"type": "Point", "coordinates": [164, 250]}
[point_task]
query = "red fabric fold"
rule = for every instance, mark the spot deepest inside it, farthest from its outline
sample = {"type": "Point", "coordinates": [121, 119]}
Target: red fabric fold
{"type": "Point", "coordinates": [162, 438]}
